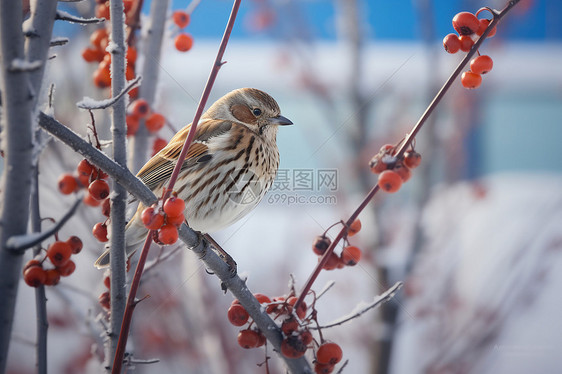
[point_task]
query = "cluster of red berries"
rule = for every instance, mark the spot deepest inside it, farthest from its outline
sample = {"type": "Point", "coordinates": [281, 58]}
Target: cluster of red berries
{"type": "Point", "coordinates": [99, 41]}
{"type": "Point", "coordinates": [98, 192]}
{"type": "Point", "coordinates": [183, 41]}
{"type": "Point", "coordinates": [393, 171]}
{"type": "Point", "coordinates": [104, 298]}
{"type": "Point", "coordinates": [154, 121]}
{"type": "Point", "coordinates": [165, 220]}
{"type": "Point", "coordinates": [297, 338]}
{"type": "Point", "coordinates": [469, 29]}
{"type": "Point", "coordinates": [58, 254]}
{"type": "Point", "coordinates": [350, 255]}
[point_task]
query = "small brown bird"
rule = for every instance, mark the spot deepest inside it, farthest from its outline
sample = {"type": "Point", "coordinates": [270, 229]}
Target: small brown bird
{"type": "Point", "coordinates": [229, 167]}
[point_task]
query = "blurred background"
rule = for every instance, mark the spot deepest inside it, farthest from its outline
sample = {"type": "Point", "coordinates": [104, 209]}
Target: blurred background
{"type": "Point", "coordinates": [475, 235]}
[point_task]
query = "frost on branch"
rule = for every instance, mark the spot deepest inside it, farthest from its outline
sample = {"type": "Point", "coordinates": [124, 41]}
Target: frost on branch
{"type": "Point", "coordinates": [64, 16]}
{"type": "Point", "coordinates": [21, 65]}
{"type": "Point", "coordinates": [91, 104]}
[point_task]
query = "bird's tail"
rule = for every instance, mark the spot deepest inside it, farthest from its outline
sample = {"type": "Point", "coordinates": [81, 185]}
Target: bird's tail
{"type": "Point", "coordinates": [135, 234]}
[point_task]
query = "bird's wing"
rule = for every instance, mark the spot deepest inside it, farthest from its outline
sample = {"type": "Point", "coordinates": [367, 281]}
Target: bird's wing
{"type": "Point", "coordinates": [159, 168]}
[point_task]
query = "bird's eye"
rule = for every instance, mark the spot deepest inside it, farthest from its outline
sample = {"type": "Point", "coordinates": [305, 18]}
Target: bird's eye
{"type": "Point", "coordinates": [257, 112]}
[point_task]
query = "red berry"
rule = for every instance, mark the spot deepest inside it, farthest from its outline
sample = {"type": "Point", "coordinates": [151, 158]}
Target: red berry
{"type": "Point", "coordinates": [52, 277]}
{"type": "Point", "coordinates": [354, 228]}
{"type": "Point", "coordinates": [466, 43]}
{"type": "Point", "coordinates": [175, 220]}
{"type": "Point", "coordinates": [237, 315]}
{"type": "Point", "coordinates": [158, 144]}
{"type": "Point", "coordinates": [248, 339]}
{"type": "Point", "coordinates": [293, 347]}
{"type": "Point", "coordinates": [389, 181]}
{"type": "Point", "coordinates": [107, 282]}
{"type": "Point", "coordinates": [262, 340]}
{"type": "Point", "coordinates": [102, 10]}
{"type": "Point", "coordinates": [67, 268]}
{"type": "Point", "coordinates": [132, 122]}
{"type": "Point", "coordinates": [481, 64]}
{"type": "Point", "coordinates": [403, 172]}
{"type": "Point", "coordinates": [321, 243]}
{"type": "Point", "coordinates": [323, 368]}
{"type": "Point", "coordinates": [100, 232]}
{"type": "Point", "coordinates": [102, 77]}
{"type": "Point", "coordinates": [75, 244]}
{"type": "Point", "coordinates": [34, 276]}
{"type": "Point", "coordinates": [104, 300]}
{"type": "Point", "coordinates": [484, 23]}
{"type": "Point", "coordinates": [471, 80]}
{"type": "Point", "coordinates": [181, 18]}
{"type": "Point", "coordinates": [85, 168]}
{"type": "Point", "coordinates": [140, 108]}
{"type": "Point", "coordinates": [92, 54]}
{"type": "Point", "coordinates": [99, 189]}
{"type": "Point", "coordinates": [289, 325]}
{"type": "Point", "coordinates": [89, 200]}
{"type": "Point", "coordinates": [306, 337]}
{"type": "Point", "coordinates": [183, 42]}
{"type": "Point", "coordinates": [106, 207]}
{"type": "Point", "coordinates": [332, 262]}
{"type": "Point", "coordinates": [351, 255]}
{"type": "Point", "coordinates": [131, 55]}
{"type": "Point", "coordinates": [151, 219]}
{"type": "Point", "coordinates": [168, 234]}
{"type": "Point", "coordinates": [59, 253]}
{"type": "Point", "coordinates": [174, 206]}
{"type": "Point", "coordinates": [67, 184]}
{"type": "Point", "coordinates": [329, 353]}
{"type": "Point", "coordinates": [451, 43]}
{"type": "Point", "coordinates": [262, 299]}
{"type": "Point", "coordinates": [301, 312]}
{"type": "Point", "coordinates": [412, 159]}
{"type": "Point", "coordinates": [466, 23]}
{"type": "Point", "coordinates": [97, 36]}
{"type": "Point", "coordinates": [31, 263]}
{"type": "Point", "coordinates": [155, 122]}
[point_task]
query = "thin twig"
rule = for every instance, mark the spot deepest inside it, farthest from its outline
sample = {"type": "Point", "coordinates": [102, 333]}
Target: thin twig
{"type": "Point", "coordinates": [403, 147]}
{"type": "Point", "coordinates": [91, 104]}
{"type": "Point", "coordinates": [64, 16]}
{"type": "Point", "coordinates": [379, 300]}
{"type": "Point", "coordinates": [21, 242]}
{"type": "Point", "coordinates": [40, 298]}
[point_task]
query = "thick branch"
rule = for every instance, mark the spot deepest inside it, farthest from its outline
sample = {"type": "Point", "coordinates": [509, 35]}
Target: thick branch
{"type": "Point", "coordinates": [16, 178]}
{"type": "Point", "coordinates": [117, 255]}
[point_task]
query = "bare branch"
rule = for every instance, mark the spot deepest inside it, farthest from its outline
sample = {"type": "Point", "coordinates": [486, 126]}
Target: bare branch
{"type": "Point", "coordinates": [55, 42]}
{"type": "Point", "coordinates": [92, 104]}
{"type": "Point", "coordinates": [64, 16]}
{"type": "Point", "coordinates": [379, 300]}
{"type": "Point", "coordinates": [21, 242]}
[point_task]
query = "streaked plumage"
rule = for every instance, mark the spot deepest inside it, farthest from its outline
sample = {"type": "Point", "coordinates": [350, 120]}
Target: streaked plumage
{"type": "Point", "coordinates": [229, 167]}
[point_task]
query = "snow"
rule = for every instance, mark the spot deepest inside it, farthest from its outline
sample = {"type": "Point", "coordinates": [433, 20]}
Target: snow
{"type": "Point", "coordinates": [19, 64]}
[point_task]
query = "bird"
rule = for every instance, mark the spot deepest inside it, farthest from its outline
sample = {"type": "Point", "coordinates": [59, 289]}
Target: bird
{"type": "Point", "coordinates": [230, 165]}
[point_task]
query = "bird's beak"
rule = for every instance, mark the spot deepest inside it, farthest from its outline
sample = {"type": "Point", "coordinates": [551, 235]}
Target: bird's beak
{"type": "Point", "coordinates": [280, 121]}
